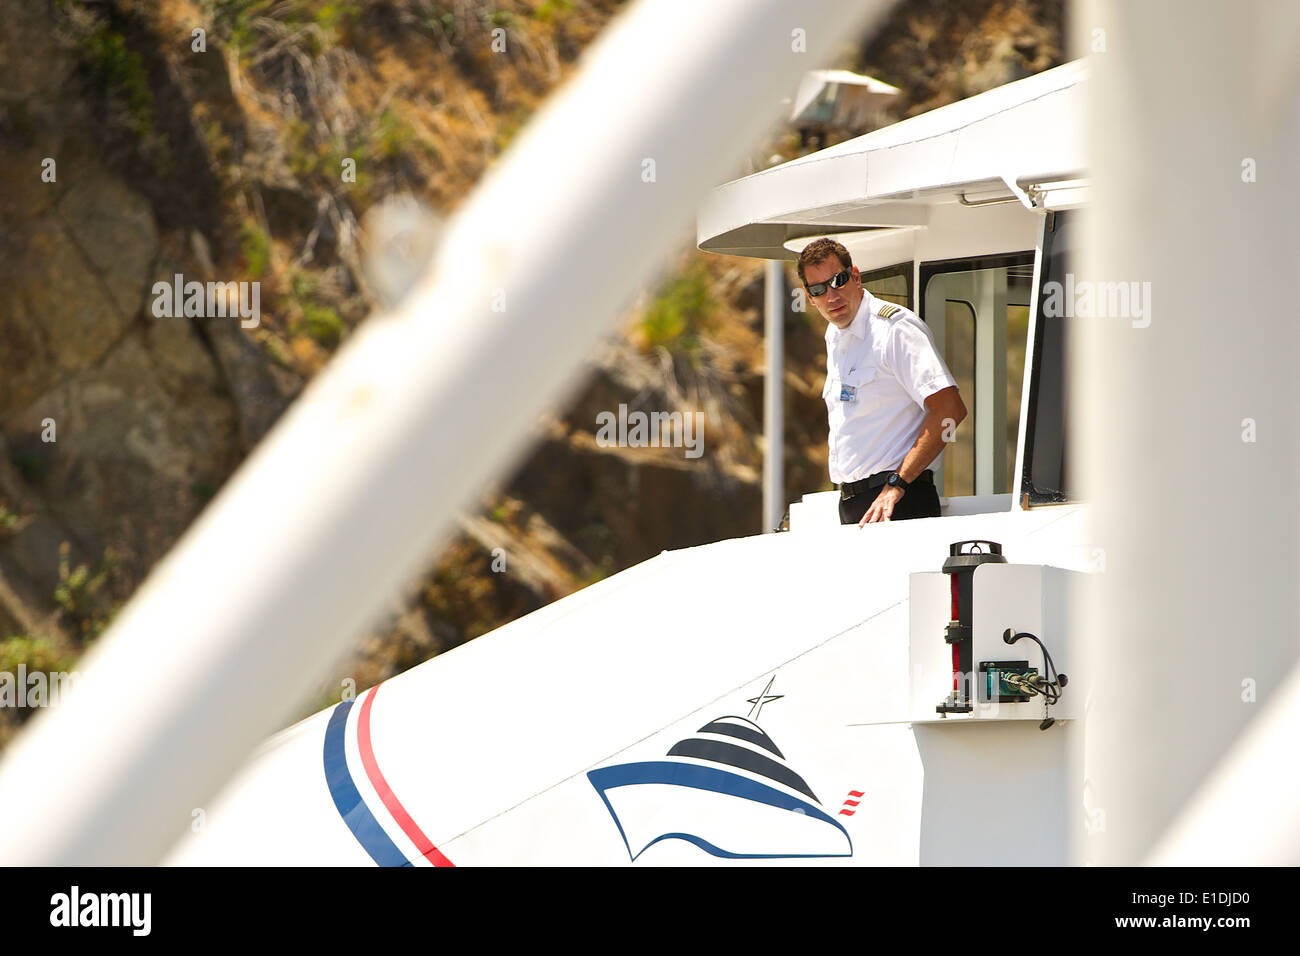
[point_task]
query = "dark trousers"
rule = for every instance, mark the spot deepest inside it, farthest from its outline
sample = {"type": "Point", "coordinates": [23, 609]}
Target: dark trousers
{"type": "Point", "coordinates": [920, 501]}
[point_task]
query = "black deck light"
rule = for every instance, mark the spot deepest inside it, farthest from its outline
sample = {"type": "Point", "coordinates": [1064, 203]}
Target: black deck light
{"type": "Point", "coordinates": [960, 566]}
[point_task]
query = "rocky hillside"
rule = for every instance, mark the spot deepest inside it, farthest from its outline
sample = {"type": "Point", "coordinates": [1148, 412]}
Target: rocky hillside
{"type": "Point", "coordinates": [144, 138]}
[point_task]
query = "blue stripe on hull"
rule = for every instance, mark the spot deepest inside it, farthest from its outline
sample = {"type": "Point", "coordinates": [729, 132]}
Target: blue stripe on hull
{"type": "Point", "coordinates": [347, 798]}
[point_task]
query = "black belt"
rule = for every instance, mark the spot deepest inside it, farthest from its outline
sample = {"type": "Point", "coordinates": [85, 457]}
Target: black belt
{"type": "Point", "coordinates": [851, 488]}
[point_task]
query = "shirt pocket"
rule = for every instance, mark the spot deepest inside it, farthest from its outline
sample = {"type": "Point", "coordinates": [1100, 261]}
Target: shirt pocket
{"type": "Point", "coordinates": [864, 382]}
{"type": "Point", "coordinates": [861, 376]}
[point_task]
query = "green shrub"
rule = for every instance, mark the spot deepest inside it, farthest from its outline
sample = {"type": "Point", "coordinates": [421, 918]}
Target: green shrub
{"type": "Point", "coordinates": [442, 24]}
{"type": "Point", "coordinates": [303, 284]}
{"type": "Point", "coordinates": [233, 20]}
{"type": "Point", "coordinates": [78, 593]}
{"type": "Point", "coordinates": [553, 11]}
{"type": "Point", "coordinates": [275, 348]}
{"type": "Point", "coordinates": [682, 309]}
{"type": "Point", "coordinates": [120, 73]}
{"type": "Point", "coordinates": [255, 246]}
{"type": "Point", "coordinates": [335, 18]}
{"type": "Point", "coordinates": [8, 520]}
{"type": "Point", "coordinates": [34, 653]}
{"type": "Point", "coordinates": [392, 136]}
{"type": "Point", "coordinates": [322, 324]}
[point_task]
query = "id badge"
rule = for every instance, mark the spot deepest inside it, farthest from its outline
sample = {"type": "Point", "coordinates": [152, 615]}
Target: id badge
{"type": "Point", "coordinates": [848, 393]}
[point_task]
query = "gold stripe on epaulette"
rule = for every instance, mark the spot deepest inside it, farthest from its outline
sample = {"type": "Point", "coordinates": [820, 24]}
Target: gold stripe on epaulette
{"type": "Point", "coordinates": [887, 310]}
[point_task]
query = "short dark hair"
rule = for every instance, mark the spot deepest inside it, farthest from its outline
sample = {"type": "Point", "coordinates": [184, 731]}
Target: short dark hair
{"type": "Point", "coordinates": [820, 250]}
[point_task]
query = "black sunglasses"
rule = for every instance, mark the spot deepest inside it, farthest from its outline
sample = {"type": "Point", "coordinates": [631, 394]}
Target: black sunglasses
{"type": "Point", "coordinates": [818, 289]}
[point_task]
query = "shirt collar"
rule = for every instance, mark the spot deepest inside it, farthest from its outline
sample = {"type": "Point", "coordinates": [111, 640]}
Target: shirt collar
{"type": "Point", "coordinates": [859, 324]}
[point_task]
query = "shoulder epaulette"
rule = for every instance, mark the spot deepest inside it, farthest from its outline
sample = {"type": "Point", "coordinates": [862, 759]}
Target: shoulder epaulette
{"type": "Point", "coordinates": [888, 310]}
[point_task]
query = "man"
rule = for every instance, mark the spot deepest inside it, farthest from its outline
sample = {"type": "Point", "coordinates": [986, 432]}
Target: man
{"type": "Point", "coordinates": [889, 396]}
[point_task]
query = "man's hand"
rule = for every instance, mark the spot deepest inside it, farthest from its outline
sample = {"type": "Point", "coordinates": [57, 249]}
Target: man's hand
{"type": "Point", "coordinates": [883, 506]}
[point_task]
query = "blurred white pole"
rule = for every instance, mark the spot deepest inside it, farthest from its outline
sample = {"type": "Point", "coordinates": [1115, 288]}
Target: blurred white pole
{"type": "Point", "coordinates": [1186, 440]}
{"type": "Point", "coordinates": [1246, 814]}
{"type": "Point", "coordinates": [773, 392]}
{"type": "Point", "coordinates": [346, 497]}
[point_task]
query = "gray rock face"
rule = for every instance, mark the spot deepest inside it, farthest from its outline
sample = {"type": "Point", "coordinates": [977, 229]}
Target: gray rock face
{"type": "Point", "coordinates": [149, 415]}
{"type": "Point", "coordinates": [75, 272]}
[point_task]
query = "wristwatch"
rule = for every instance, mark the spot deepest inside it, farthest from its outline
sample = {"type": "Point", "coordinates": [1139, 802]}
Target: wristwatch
{"type": "Point", "coordinates": [895, 480]}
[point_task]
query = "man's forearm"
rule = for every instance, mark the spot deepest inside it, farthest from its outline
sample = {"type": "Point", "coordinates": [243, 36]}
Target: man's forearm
{"type": "Point", "coordinates": [927, 446]}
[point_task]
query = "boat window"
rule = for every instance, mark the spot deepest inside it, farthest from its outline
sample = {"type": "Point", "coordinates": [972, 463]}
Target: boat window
{"type": "Point", "coordinates": [893, 284]}
{"type": "Point", "coordinates": [959, 355]}
{"type": "Point", "coordinates": [978, 311]}
{"type": "Point", "coordinates": [1046, 478]}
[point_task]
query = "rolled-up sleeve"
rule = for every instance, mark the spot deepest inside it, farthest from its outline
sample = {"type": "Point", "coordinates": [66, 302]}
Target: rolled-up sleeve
{"type": "Point", "coordinates": [915, 360]}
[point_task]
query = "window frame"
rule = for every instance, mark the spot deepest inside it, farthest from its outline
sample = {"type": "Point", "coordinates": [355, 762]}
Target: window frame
{"type": "Point", "coordinates": [934, 267]}
{"type": "Point", "coordinates": [906, 270]}
{"type": "Point", "coordinates": [1029, 495]}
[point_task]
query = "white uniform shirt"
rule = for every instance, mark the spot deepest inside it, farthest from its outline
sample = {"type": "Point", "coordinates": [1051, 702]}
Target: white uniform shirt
{"type": "Point", "coordinates": [879, 372]}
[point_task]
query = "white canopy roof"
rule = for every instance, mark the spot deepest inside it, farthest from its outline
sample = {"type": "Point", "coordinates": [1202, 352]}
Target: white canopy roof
{"type": "Point", "coordinates": [814, 81]}
{"type": "Point", "coordinates": [1030, 131]}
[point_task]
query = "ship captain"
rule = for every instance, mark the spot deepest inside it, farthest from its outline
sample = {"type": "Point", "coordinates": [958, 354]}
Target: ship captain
{"type": "Point", "coordinates": [890, 400]}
